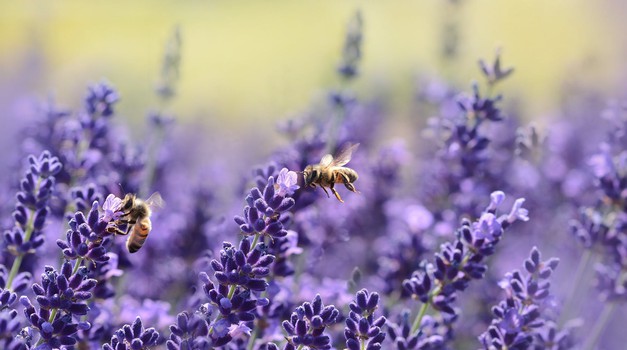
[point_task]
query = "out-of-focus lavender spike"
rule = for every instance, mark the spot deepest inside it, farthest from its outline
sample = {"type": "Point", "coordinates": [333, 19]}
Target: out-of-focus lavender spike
{"type": "Point", "coordinates": [520, 320]}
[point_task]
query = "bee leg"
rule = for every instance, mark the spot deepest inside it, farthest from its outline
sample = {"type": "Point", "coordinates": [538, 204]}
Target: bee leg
{"type": "Point", "coordinates": [116, 230]}
{"type": "Point", "coordinates": [348, 184]}
{"type": "Point", "coordinates": [325, 191]}
{"type": "Point", "coordinates": [125, 215]}
{"type": "Point", "coordinates": [337, 195]}
{"type": "Point", "coordinates": [129, 226]}
{"type": "Point", "coordinates": [351, 187]}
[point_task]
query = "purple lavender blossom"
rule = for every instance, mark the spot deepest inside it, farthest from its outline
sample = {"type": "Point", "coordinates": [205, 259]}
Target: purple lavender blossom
{"type": "Point", "coordinates": [111, 208]}
{"type": "Point", "coordinates": [30, 215]}
{"type": "Point", "coordinates": [457, 263]}
{"type": "Point", "coordinates": [307, 325]}
{"type": "Point", "coordinates": [89, 235]}
{"type": "Point", "coordinates": [83, 197]}
{"type": "Point", "coordinates": [404, 338]}
{"type": "Point", "coordinates": [494, 73]}
{"type": "Point", "coordinates": [362, 329]}
{"type": "Point", "coordinates": [263, 214]}
{"type": "Point", "coordinates": [65, 294]}
{"type": "Point", "coordinates": [286, 183]}
{"type": "Point", "coordinates": [189, 332]}
{"type": "Point", "coordinates": [128, 164]}
{"type": "Point", "coordinates": [11, 336]}
{"type": "Point", "coordinates": [133, 336]}
{"type": "Point", "coordinates": [243, 267]}
{"type": "Point", "coordinates": [351, 53]}
{"type": "Point", "coordinates": [83, 143]}
{"type": "Point", "coordinates": [519, 318]}
{"type": "Point", "coordinates": [100, 100]}
{"type": "Point", "coordinates": [602, 228]}
{"type": "Point", "coordinates": [60, 296]}
{"type": "Point", "coordinates": [235, 294]}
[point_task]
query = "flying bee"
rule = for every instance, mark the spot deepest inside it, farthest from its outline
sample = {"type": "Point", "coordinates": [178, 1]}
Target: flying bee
{"type": "Point", "coordinates": [136, 216]}
{"type": "Point", "coordinates": [331, 170]}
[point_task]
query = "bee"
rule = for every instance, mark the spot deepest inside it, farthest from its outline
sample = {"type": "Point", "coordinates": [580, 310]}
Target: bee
{"type": "Point", "coordinates": [136, 217]}
{"type": "Point", "coordinates": [331, 170]}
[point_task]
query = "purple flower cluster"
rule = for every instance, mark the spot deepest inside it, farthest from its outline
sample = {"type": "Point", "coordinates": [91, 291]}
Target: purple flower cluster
{"type": "Point", "coordinates": [85, 238]}
{"type": "Point", "coordinates": [31, 210]}
{"type": "Point", "coordinates": [519, 319]}
{"type": "Point", "coordinates": [307, 325]}
{"type": "Point", "coordinates": [362, 329]}
{"type": "Point", "coordinates": [189, 332]}
{"type": "Point", "coordinates": [63, 295]}
{"type": "Point", "coordinates": [436, 284]}
{"type": "Point", "coordinates": [240, 273]}
{"type": "Point", "coordinates": [60, 296]}
{"type": "Point", "coordinates": [243, 267]}
{"type": "Point", "coordinates": [262, 215]}
{"type": "Point", "coordinates": [133, 336]}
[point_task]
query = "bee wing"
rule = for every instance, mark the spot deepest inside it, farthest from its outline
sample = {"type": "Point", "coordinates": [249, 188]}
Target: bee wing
{"type": "Point", "coordinates": [326, 161]}
{"type": "Point", "coordinates": [344, 155]}
{"type": "Point", "coordinates": [155, 201]}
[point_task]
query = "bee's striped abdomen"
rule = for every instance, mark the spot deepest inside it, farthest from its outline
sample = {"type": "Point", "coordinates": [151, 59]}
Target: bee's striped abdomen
{"type": "Point", "coordinates": [138, 235]}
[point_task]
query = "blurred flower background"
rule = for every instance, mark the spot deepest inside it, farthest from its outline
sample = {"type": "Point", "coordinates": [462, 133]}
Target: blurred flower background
{"type": "Point", "coordinates": [467, 172]}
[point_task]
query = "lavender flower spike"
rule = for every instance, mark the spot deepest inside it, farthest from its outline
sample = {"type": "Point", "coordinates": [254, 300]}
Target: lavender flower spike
{"type": "Point", "coordinates": [307, 325]}
{"type": "Point", "coordinates": [100, 99]}
{"type": "Point", "coordinates": [519, 319]}
{"type": "Point", "coordinates": [361, 327]}
{"type": "Point", "coordinates": [189, 332]}
{"type": "Point", "coordinates": [88, 236]}
{"type": "Point", "coordinates": [31, 210]}
{"type": "Point", "coordinates": [133, 337]}
{"type": "Point", "coordinates": [60, 296]}
{"type": "Point", "coordinates": [266, 206]}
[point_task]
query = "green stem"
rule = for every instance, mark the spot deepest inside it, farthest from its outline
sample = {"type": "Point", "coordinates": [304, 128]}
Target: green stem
{"type": "Point", "coordinates": [79, 261]}
{"type": "Point", "coordinates": [363, 344]}
{"type": "Point", "coordinates": [231, 291]}
{"type": "Point", "coordinates": [53, 314]}
{"type": "Point", "coordinates": [255, 240]}
{"type": "Point", "coordinates": [230, 295]}
{"type": "Point", "coordinates": [599, 326]}
{"type": "Point", "coordinates": [14, 269]}
{"type": "Point", "coordinates": [418, 320]}
{"type": "Point", "coordinates": [28, 232]}
{"type": "Point", "coordinates": [574, 288]}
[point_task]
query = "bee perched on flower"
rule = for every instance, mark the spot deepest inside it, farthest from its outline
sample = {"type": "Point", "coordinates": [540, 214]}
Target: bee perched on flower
{"type": "Point", "coordinates": [135, 214]}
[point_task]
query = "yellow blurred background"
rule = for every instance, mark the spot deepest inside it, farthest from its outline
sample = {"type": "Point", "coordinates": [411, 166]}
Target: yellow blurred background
{"type": "Point", "coordinates": [250, 61]}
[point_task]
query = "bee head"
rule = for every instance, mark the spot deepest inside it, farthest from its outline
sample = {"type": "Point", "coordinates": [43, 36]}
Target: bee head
{"type": "Point", "coordinates": [310, 174]}
{"type": "Point", "coordinates": [128, 202]}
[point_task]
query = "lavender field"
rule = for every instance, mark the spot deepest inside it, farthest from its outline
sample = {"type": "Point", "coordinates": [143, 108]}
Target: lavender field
{"type": "Point", "coordinates": [474, 224]}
